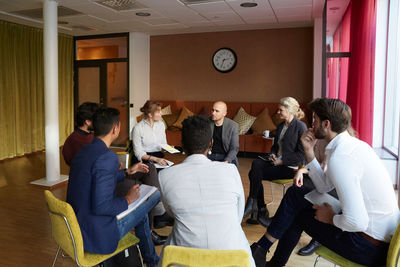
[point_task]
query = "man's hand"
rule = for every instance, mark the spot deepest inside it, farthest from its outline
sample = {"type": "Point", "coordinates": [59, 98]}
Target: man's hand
{"type": "Point", "coordinates": [226, 161]}
{"type": "Point", "coordinates": [324, 213]}
{"type": "Point", "coordinates": [120, 166]}
{"type": "Point", "coordinates": [308, 141]}
{"type": "Point", "coordinates": [133, 194]}
{"type": "Point", "coordinates": [138, 167]}
{"type": "Point", "coordinates": [298, 178]}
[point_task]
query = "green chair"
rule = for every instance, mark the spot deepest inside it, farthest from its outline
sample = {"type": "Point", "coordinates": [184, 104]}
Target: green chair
{"type": "Point", "coordinates": [392, 259]}
{"type": "Point", "coordinates": [195, 257]}
{"type": "Point", "coordinates": [67, 233]}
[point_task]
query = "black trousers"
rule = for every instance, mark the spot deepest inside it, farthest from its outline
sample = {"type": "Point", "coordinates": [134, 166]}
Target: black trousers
{"type": "Point", "coordinates": [264, 170]}
{"type": "Point", "coordinates": [295, 215]}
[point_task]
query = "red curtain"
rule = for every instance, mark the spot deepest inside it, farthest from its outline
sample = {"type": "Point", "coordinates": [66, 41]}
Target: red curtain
{"type": "Point", "coordinates": [344, 47]}
{"type": "Point", "coordinates": [360, 89]}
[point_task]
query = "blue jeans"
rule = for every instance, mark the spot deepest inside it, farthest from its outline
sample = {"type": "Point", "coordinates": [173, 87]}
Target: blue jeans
{"type": "Point", "coordinates": [295, 215]}
{"type": "Point", "coordinates": [138, 219]}
{"type": "Point", "coordinates": [220, 157]}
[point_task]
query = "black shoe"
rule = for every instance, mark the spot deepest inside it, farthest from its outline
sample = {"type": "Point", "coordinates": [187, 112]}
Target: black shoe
{"type": "Point", "coordinates": [162, 221]}
{"type": "Point", "coordinates": [309, 249]}
{"type": "Point", "coordinates": [158, 239]}
{"type": "Point", "coordinates": [263, 217]}
{"type": "Point", "coordinates": [259, 255]}
{"type": "Point", "coordinates": [251, 206]}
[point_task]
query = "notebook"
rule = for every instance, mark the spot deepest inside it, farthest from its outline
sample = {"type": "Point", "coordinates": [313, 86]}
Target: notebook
{"type": "Point", "coordinates": [145, 192]}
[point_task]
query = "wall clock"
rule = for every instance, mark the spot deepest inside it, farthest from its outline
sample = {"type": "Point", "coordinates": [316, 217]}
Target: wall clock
{"type": "Point", "coordinates": [224, 60]}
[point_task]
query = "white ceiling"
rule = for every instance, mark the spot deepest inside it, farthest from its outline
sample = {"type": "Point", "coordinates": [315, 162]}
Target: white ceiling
{"type": "Point", "coordinates": [173, 17]}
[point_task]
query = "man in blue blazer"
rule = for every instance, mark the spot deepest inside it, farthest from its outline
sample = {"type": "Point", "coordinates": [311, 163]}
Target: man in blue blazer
{"type": "Point", "coordinates": [91, 190]}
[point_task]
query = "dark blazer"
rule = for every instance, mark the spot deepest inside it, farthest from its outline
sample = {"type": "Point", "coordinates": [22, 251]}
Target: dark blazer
{"type": "Point", "coordinates": [91, 192]}
{"type": "Point", "coordinates": [292, 149]}
{"type": "Point", "coordinates": [230, 138]}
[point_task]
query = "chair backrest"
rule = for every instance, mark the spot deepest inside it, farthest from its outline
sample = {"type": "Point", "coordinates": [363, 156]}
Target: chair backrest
{"type": "Point", "coordinates": [394, 249]}
{"type": "Point", "coordinates": [65, 227]}
{"type": "Point", "coordinates": [194, 257]}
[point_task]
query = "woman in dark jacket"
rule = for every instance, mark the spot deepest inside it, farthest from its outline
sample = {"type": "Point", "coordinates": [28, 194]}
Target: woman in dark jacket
{"type": "Point", "coordinates": [286, 155]}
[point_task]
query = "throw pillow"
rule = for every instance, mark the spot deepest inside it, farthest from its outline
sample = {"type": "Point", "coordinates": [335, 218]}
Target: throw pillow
{"type": "Point", "coordinates": [184, 114]}
{"type": "Point", "coordinates": [166, 110]}
{"type": "Point", "coordinates": [244, 120]}
{"type": "Point", "coordinates": [263, 122]}
{"type": "Point", "coordinates": [171, 118]}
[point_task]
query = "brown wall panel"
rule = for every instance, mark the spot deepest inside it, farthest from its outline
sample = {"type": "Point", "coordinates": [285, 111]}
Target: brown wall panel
{"type": "Point", "coordinates": [271, 64]}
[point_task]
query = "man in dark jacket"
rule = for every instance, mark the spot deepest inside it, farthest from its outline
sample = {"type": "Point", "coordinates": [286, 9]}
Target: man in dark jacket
{"type": "Point", "coordinates": [91, 192]}
{"type": "Point", "coordinates": [225, 135]}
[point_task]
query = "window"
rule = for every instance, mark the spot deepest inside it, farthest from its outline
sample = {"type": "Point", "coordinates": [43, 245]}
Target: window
{"type": "Point", "coordinates": [391, 129]}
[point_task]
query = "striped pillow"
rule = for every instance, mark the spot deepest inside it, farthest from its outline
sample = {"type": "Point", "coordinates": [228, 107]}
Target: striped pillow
{"type": "Point", "coordinates": [244, 120]}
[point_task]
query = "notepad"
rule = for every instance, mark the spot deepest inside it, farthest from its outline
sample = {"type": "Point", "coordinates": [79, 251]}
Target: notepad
{"type": "Point", "coordinates": [145, 192]}
{"type": "Point", "coordinates": [319, 199]}
{"type": "Point", "coordinates": [170, 149]}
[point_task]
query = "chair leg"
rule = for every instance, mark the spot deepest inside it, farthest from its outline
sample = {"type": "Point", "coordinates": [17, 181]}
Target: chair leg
{"type": "Point", "coordinates": [140, 254]}
{"type": "Point", "coordinates": [272, 194]}
{"type": "Point", "coordinates": [55, 258]}
{"type": "Point", "coordinates": [316, 261]}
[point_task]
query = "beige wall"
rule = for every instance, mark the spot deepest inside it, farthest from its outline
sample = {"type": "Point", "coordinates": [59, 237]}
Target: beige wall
{"type": "Point", "coordinates": [271, 64]}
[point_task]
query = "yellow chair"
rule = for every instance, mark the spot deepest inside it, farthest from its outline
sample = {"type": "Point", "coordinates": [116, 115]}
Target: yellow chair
{"type": "Point", "coordinates": [392, 259]}
{"type": "Point", "coordinates": [195, 257]}
{"type": "Point", "coordinates": [67, 234]}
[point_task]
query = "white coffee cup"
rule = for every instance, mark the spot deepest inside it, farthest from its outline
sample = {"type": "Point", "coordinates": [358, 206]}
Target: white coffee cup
{"type": "Point", "coordinates": [266, 133]}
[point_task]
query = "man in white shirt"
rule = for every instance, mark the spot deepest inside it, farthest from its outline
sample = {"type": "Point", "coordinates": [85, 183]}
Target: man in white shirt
{"type": "Point", "coordinates": [205, 197]}
{"type": "Point", "coordinates": [361, 232]}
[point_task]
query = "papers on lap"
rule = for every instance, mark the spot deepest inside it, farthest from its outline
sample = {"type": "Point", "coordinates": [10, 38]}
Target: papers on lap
{"type": "Point", "coordinates": [319, 199]}
{"type": "Point", "coordinates": [169, 164]}
{"type": "Point", "coordinates": [169, 148]}
{"type": "Point", "coordinates": [145, 192]}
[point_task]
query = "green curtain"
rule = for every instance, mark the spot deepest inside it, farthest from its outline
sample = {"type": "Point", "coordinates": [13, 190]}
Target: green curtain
{"type": "Point", "coordinates": [22, 89]}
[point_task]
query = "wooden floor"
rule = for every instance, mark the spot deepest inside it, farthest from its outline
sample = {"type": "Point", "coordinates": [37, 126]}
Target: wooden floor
{"type": "Point", "coordinates": [25, 230]}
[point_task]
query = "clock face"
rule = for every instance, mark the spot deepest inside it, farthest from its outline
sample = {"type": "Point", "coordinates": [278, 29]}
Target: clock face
{"type": "Point", "coordinates": [224, 60]}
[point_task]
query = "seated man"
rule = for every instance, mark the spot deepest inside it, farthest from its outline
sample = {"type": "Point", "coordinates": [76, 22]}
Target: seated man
{"type": "Point", "coordinates": [225, 135]}
{"type": "Point", "coordinates": [205, 197]}
{"type": "Point", "coordinates": [369, 216]}
{"type": "Point", "coordinates": [83, 135]}
{"type": "Point", "coordinates": [83, 132]}
{"type": "Point", "coordinates": [91, 192]}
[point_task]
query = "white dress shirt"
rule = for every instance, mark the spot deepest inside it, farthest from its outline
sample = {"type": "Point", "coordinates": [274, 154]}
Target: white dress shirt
{"type": "Point", "coordinates": [206, 199]}
{"type": "Point", "coordinates": [363, 186]}
{"type": "Point", "coordinates": [148, 139]}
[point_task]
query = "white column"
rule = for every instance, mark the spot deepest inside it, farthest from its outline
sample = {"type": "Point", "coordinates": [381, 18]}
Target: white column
{"type": "Point", "coordinates": [50, 46]}
{"type": "Point", "coordinates": [139, 74]}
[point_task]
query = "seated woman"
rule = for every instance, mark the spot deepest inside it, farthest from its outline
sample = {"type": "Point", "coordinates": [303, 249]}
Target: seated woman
{"type": "Point", "coordinates": [286, 155]}
{"type": "Point", "coordinates": [148, 135]}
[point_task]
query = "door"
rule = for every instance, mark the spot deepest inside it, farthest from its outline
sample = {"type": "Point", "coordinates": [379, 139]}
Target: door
{"type": "Point", "coordinates": [105, 83]}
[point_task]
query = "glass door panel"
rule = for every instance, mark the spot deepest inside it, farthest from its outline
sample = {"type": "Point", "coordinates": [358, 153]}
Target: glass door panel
{"type": "Point", "coordinates": [88, 84]}
{"type": "Point", "coordinates": [117, 96]}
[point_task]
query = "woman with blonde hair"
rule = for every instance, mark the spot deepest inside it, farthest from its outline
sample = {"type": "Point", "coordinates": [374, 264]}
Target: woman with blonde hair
{"type": "Point", "coordinates": [286, 155]}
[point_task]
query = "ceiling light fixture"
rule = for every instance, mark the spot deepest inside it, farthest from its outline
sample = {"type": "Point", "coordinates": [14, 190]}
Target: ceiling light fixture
{"type": "Point", "coordinates": [142, 14]}
{"type": "Point", "coordinates": [248, 4]}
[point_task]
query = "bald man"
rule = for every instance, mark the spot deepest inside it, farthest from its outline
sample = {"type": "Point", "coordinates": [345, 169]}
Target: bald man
{"type": "Point", "coordinates": [225, 135]}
